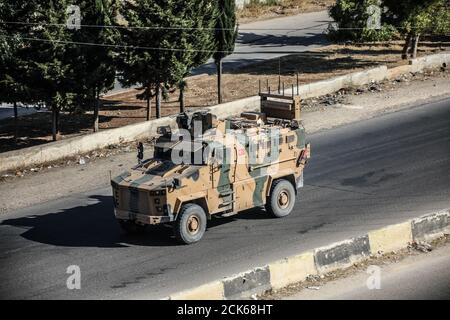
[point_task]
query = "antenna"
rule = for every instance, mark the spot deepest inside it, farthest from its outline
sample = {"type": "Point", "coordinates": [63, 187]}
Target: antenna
{"type": "Point", "coordinates": [279, 74]}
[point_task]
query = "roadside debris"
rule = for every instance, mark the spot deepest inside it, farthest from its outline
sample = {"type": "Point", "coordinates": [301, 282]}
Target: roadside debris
{"type": "Point", "coordinates": [340, 97]}
{"type": "Point", "coordinates": [421, 246]}
{"type": "Point", "coordinates": [313, 277]}
{"type": "Point", "coordinates": [313, 288]}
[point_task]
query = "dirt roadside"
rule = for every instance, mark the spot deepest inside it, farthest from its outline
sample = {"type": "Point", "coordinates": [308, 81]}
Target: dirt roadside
{"type": "Point", "coordinates": [93, 171]}
{"type": "Point", "coordinates": [257, 11]}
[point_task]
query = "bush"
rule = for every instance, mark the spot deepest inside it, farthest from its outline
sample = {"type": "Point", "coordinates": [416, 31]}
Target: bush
{"type": "Point", "coordinates": [351, 17]}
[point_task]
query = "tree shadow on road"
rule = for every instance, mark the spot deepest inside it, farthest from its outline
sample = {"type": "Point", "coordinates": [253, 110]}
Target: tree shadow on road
{"type": "Point", "coordinates": [279, 41]}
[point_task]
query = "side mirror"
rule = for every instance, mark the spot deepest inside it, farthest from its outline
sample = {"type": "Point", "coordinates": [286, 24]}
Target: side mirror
{"type": "Point", "coordinates": [176, 183]}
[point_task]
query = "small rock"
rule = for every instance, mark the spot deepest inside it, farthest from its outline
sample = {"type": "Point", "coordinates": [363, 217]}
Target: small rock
{"type": "Point", "coordinates": [421, 246]}
{"type": "Point", "coordinates": [313, 288]}
{"type": "Point", "coordinates": [82, 161]}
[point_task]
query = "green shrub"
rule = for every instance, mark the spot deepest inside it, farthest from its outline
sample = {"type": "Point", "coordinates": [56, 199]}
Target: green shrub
{"type": "Point", "coordinates": [351, 17]}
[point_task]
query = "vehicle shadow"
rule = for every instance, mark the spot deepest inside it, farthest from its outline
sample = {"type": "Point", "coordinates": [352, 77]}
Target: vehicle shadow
{"type": "Point", "coordinates": [94, 225]}
{"type": "Point", "coordinates": [257, 213]}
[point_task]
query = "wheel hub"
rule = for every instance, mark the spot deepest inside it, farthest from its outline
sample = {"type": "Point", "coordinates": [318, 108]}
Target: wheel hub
{"type": "Point", "coordinates": [283, 199]}
{"type": "Point", "coordinates": [193, 224]}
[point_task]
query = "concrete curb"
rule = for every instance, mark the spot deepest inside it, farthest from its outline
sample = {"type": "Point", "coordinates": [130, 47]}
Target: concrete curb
{"type": "Point", "coordinates": [37, 155]}
{"type": "Point", "coordinates": [339, 255]}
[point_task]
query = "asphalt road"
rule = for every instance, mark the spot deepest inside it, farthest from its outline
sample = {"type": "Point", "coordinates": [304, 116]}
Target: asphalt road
{"type": "Point", "coordinates": [7, 111]}
{"type": "Point", "coordinates": [422, 277]}
{"type": "Point", "coordinates": [269, 39]}
{"type": "Point", "coordinates": [361, 177]}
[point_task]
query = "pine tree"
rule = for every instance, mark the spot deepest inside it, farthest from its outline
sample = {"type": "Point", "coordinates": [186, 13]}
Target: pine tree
{"type": "Point", "coordinates": [94, 65]}
{"type": "Point", "coordinates": [13, 87]}
{"type": "Point", "coordinates": [51, 57]}
{"type": "Point", "coordinates": [178, 36]}
{"type": "Point", "coordinates": [225, 34]}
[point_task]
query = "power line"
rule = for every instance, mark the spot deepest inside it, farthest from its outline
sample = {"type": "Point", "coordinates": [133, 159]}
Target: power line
{"type": "Point", "coordinates": [316, 27]}
{"type": "Point", "coordinates": [110, 26]}
{"type": "Point", "coordinates": [147, 48]}
{"type": "Point", "coordinates": [158, 27]}
{"type": "Point", "coordinates": [132, 47]}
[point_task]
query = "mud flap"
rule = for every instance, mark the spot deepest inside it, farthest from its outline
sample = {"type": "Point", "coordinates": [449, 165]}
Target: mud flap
{"type": "Point", "coordinates": [299, 182]}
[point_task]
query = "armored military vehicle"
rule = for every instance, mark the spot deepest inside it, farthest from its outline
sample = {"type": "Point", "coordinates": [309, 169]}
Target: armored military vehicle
{"type": "Point", "coordinates": [207, 167]}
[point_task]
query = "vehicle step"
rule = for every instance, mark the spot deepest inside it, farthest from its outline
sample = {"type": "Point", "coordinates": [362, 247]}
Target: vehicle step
{"type": "Point", "coordinates": [228, 214]}
{"type": "Point", "coordinates": [225, 204]}
{"type": "Point", "coordinates": [226, 193]}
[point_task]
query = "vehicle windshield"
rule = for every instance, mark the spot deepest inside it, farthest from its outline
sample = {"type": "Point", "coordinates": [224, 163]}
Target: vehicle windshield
{"type": "Point", "coordinates": [163, 153]}
{"type": "Point", "coordinates": [161, 168]}
{"type": "Point", "coordinates": [184, 152]}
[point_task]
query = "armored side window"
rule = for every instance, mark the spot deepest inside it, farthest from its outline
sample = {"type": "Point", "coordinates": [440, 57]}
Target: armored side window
{"type": "Point", "coordinates": [290, 138]}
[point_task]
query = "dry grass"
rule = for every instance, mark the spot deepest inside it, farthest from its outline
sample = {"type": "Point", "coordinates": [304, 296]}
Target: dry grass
{"type": "Point", "coordinates": [255, 11]}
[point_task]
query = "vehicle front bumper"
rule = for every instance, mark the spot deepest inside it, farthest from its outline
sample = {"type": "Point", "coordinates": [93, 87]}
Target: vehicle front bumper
{"type": "Point", "coordinates": [141, 218]}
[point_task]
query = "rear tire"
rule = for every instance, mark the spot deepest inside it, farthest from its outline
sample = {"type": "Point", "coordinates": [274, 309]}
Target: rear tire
{"type": "Point", "coordinates": [130, 227]}
{"type": "Point", "coordinates": [281, 200]}
{"type": "Point", "coordinates": [191, 224]}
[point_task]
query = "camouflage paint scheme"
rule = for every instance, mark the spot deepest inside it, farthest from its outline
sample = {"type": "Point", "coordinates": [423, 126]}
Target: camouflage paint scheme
{"type": "Point", "coordinates": [154, 192]}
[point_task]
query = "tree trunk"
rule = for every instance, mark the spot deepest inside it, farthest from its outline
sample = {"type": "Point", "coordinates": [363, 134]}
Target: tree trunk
{"type": "Point", "coordinates": [406, 46]}
{"type": "Point", "coordinates": [54, 123]}
{"type": "Point", "coordinates": [96, 109]}
{"type": "Point", "coordinates": [415, 46]}
{"type": "Point", "coordinates": [16, 116]}
{"type": "Point", "coordinates": [181, 99]}
{"type": "Point", "coordinates": [219, 81]}
{"type": "Point", "coordinates": [158, 101]}
{"type": "Point", "coordinates": [149, 106]}
{"type": "Point", "coordinates": [58, 117]}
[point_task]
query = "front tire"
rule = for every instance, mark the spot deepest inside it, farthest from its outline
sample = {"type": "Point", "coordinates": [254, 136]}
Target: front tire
{"type": "Point", "coordinates": [191, 224]}
{"type": "Point", "coordinates": [281, 200]}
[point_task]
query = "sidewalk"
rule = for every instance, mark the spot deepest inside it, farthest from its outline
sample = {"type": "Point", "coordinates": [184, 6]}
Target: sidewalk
{"type": "Point", "coordinates": [419, 277]}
